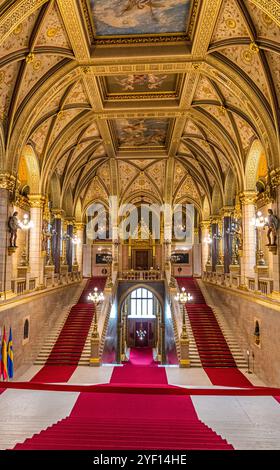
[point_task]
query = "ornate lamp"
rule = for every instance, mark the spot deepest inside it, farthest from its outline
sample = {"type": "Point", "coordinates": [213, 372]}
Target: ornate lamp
{"type": "Point", "coordinates": [183, 297]}
{"type": "Point", "coordinates": [208, 241]}
{"type": "Point", "coordinates": [259, 222]}
{"type": "Point", "coordinates": [96, 298]}
{"type": "Point", "coordinates": [25, 224]}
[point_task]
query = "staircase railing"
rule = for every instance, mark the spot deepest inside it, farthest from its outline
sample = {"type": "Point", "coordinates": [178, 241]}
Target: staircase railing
{"type": "Point", "coordinates": [104, 316]}
{"type": "Point", "coordinates": [133, 275]}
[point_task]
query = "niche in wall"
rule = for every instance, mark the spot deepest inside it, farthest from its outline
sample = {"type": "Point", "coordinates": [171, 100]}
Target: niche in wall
{"type": "Point", "coordinates": [257, 333]}
{"type": "Point", "coordinates": [26, 330]}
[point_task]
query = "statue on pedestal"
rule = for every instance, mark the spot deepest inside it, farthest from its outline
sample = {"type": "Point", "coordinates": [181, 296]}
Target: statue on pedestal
{"type": "Point", "coordinates": [273, 225]}
{"type": "Point", "coordinates": [13, 225]}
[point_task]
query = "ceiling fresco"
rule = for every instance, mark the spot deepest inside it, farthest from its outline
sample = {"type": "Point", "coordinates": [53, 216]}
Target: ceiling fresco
{"type": "Point", "coordinates": [140, 17]}
{"type": "Point", "coordinates": [151, 83]}
{"type": "Point", "coordinates": [136, 133]}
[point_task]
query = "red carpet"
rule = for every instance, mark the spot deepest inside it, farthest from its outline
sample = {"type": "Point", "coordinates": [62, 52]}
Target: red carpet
{"type": "Point", "coordinates": [130, 421]}
{"type": "Point", "coordinates": [231, 377]}
{"type": "Point", "coordinates": [211, 344]}
{"type": "Point", "coordinates": [69, 346]}
{"type": "Point", "coordinates": [140, 369]}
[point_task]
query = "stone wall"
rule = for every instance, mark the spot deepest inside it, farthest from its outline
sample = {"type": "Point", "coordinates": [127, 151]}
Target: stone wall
{"type": "Point", "coordinates": [241, 312]}
{"type": "Point", "coordinates": [42, 309]}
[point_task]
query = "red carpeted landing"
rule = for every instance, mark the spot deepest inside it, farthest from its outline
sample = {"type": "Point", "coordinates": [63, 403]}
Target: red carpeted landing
{"type": "Point", "coordinates": [211, 343]}
{"type": "Point", "coordinates": [54, 374]}
{"type": "Point", "coordinates": [141, 369]}
{"type": "Point", "coordinates": [70, 343]}
{"type": "Point", "coordinates": [227, 377]}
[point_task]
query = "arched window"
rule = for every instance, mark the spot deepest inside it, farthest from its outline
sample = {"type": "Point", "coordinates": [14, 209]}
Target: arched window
{"type": "Point", "coordinates": [26, 329]}
{"type": "Point", "coordinates": [142, 303]}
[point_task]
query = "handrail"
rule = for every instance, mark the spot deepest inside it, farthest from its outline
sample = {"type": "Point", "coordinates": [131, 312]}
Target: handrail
{"type": "Point", "coordinates": [134, 275]}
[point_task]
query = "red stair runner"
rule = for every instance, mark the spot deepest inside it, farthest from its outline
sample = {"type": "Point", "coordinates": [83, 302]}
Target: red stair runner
{"type": "Point", "coordinates": [211, 344]}
{"type": "Point", "coordinates": [117, 421]}
{"type": "Point", "coordinates": [69, 346]}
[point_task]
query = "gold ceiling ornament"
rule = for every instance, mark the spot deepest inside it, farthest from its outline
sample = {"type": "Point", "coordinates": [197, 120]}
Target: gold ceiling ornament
{"type": "Point", "coordinates": [267, 20]}
{"type": "Point", "coordinates": [254, 48]}
{"type": "Point", "coordinates": [2, 76]}
{"type": "Point", "coordinates": [37, 65]}
{"type": "Point", "coordinates": [52, 32]}
{"type": "Point", "coordinates": [231, 23]}
{"type": "Point", "coordinates": [36, 201]}
{"type": "Point", "coordinates": [18, 29]}
{"type": "Point", "coordinates": [86, 69]}
{"type": "Point", "coordinates": [222, 110]}
{"type": "Point", "coordinates": [7, 181]}
{"type": "Point", "coordinates": [247, 56]}
{"type": "Point", "coordinates": [29, 59]}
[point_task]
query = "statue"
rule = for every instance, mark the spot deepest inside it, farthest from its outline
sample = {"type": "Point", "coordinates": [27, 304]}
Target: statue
{"type": "Point", "coordinates": [273, 225]}
{"type": "Point", "coordinates": [13, 225]}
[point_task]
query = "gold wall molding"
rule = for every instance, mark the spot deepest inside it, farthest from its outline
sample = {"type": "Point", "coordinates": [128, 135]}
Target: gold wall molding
{"type": "Point", "coordinates": [73, 22]}
{"type": "Point", "coordinates": [270, 7]}
{"type": "Point", "coordinates": [205, 27]}
{"type": "Point", "coordinates": [15, 15]}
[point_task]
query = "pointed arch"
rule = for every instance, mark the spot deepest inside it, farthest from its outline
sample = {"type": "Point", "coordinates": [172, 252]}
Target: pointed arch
{"type": "Point", "coordinates": [254, 155]}
{"type": "Point", "coordinates": [55, 191]}
{"type": "Point", "coordinates": [217, 200]}
{"type": "Point", "coordinates": [230, 188]}
{"type": "Point", "coordinates": [29, 169]}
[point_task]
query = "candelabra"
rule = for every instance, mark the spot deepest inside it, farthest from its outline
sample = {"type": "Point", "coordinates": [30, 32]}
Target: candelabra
{"type": "Point", "coordinates": [96, 298]}
{"type": "Point", "coordinates": [208, 241]}
{"type": "Point", "coordinates": [183, 297]}
{"type": "Point", "coordinates": [259, 222]}
{"type": "Point", "coordinates": [26, 224]}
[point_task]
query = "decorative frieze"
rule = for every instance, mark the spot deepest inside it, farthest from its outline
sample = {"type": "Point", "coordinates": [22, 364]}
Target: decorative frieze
{"type": "Point", "coordinates": [248, 198]}
{"type": "Point", "coordinates": [7, 181]}
{"type": "Point", "coordinates": [37, 201]}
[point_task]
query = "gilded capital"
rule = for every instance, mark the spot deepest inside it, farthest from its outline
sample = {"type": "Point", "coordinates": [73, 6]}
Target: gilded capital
{"type": "Point", "coordinates": [248, 198]}
{"type": "Point", "coordinates": [79, 226]}
{"type": "Point", "coordinates": [227, 211]}
{"type": "Point", "coordinates": [275, 177]}
{"type": "Point", "coordinates": [205, 224]}
{"type": "Point", "coordinates": [36, 201]}
{"type": "Point", "coordinates": [57, 213]}
{"type": "Point", "coordinates": [7, 181]}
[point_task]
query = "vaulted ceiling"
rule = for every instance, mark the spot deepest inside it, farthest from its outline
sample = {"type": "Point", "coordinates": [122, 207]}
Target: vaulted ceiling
{"type": "Point", "coordinates": [159, 99]}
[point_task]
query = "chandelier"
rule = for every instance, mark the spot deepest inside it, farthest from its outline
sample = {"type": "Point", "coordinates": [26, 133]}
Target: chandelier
{"type": "Point", "coordinates": [96, 297]}
{"type": "Point", "coordinates": [141, 334]}
{"type": "Point", "coordinates": [183, 297]}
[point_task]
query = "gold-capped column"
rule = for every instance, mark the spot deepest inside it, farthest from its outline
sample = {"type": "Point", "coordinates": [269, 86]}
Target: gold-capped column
{"type": "Point", "coordinates": [205, 244]}
{"type": "Point", "coordinates": [7, 187]}
{"type": "Point", "coordinates": [248, 260]}
{"type": "Point", "coordinates": [36, 258]}
{"type": "Point", "coordinates": [79, 228]}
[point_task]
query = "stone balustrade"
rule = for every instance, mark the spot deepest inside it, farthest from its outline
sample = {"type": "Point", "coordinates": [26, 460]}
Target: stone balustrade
{"type": "Point", "coordinates": [133, 275]}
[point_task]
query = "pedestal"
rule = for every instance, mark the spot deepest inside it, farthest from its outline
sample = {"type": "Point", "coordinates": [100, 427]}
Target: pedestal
{"type": "Point", "coordinates": [94, 360]}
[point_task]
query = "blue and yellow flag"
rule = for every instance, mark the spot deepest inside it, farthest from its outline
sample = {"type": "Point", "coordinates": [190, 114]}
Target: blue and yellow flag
{"type": "Point", "coordinates": [4, 356]}
{"type": "Point", "coordinates": [10, 361]}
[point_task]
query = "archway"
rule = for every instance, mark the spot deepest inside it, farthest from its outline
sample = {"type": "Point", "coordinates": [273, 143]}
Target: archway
{"type": "Point", "coordinates": [141, 314]}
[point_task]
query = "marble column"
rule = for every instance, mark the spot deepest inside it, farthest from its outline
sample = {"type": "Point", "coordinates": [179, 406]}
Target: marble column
{"type": "Point", "coordinates": [206, 247]}
{"type": "Point", "coordinates": [7, 184]}
{"type": "Point", "coordinates": [69, 242]}
{"type": "Point", "coordinates": [275, 206]}
{"type": "Point", "coordinates": [36, 259]}
{"type": "Point", "coordinates": [79, 232]}
{"type": "Point", "coordinates": [248, 260]}
{"type": "Point", "coordinates": [57, 237]}
{"type": "Point", "coordinates": [215, 243]}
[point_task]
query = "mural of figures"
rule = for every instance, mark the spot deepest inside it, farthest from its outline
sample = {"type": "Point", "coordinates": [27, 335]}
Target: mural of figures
{"type": "Point", "coordinates": [142, 83]}
{"type": "Point", "coordinates": [126, 17]}
{"type": "Point", "coordinates": [139, 132]}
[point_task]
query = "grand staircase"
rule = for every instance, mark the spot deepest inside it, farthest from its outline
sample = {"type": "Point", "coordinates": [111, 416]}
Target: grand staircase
{"type": "Point", "coordinates": [215, 344]}
{"type": "Point", "coordinates": [69, 342]}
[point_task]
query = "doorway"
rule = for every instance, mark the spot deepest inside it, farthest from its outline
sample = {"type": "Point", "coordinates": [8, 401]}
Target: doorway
{"type": "Point", "coordinates": [141, 313]}
{"type": "Point", "coordinates": [142, 260]}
